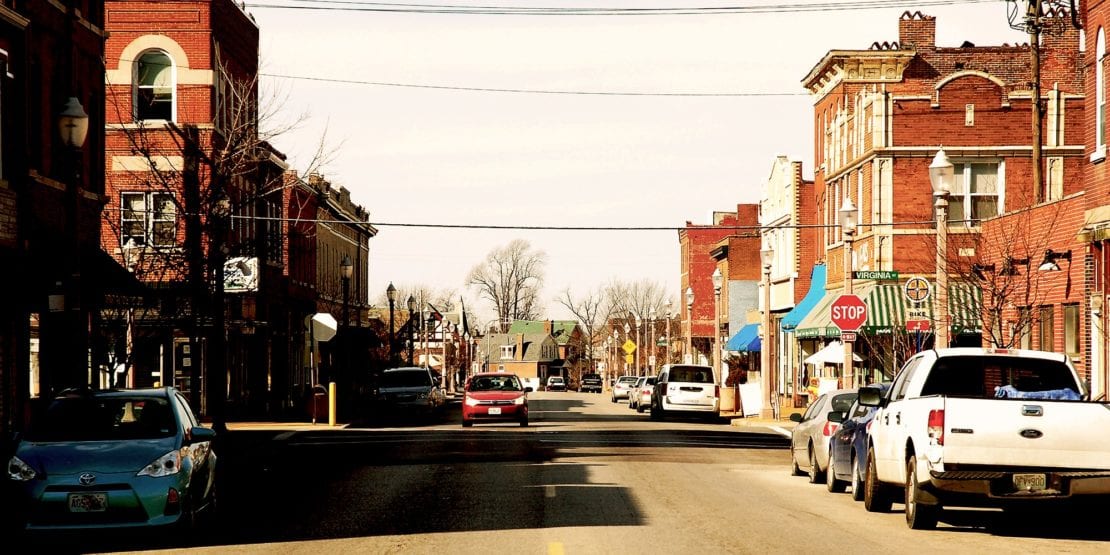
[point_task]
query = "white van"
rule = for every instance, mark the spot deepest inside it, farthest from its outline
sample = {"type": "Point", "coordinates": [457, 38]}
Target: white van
{"type": "Point", "coordinates": [685, 388]}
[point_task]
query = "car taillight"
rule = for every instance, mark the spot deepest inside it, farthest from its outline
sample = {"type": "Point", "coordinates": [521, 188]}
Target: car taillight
{"type": "Point", "coordinates": [936, 426]}
{"type": "Point", "coordinates": [830, 428]}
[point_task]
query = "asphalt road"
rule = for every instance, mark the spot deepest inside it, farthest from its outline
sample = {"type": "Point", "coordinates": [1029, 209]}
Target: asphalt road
{"type": "Point", "coordinates": [588, 476]}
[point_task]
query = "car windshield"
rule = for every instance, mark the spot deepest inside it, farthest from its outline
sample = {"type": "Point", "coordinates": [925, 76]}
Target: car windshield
{"type": "Point", "coordinates": [104, 419]}
{"type": "Point", "coordinates": [629, 380]}
{"type": "Point", "coordinates": [556, 380]}
{"type": "Point", "coordinates": [495, 383]}
{"type": "Point", "coordinates": [691, 374]}
{"type": "Point", "coordinates": [414, 378]}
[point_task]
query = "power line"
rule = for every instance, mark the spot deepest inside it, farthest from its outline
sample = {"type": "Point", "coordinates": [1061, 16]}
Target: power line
{"type": "Point", "coordinates": [455, 9]}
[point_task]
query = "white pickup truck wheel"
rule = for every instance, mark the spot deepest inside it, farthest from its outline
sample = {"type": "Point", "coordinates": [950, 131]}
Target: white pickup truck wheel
{"type": "Point", "coordinates": [876, 499]}
{"type": "Point", "coordinates": [918, 516]}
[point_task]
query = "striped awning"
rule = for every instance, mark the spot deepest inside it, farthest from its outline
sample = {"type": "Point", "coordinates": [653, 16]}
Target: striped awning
{"type": "Point", "coordinates": [886, 309]}
{"type": "Point", "coordinates": [965, 308]}
{"type": "Point", "coordinates": [818, 323]}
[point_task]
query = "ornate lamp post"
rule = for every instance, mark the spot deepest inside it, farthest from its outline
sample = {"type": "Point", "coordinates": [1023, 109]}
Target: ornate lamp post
{"type": "Point", "coordinates": [667, 359]}
{"type": "Point", "coordinates": [639, 348]}
{"type": "Point", "coordinates": [718, 280]}
{"type": "Point", "coordinates": [391, 294]}
{"type": "Point", "coordinates": [690, 325]}
{"type": "Point", "coordinates": [848, 215]}
{"type": "Point", "coordinates": [769, 380]}
{"type": "Point", "coordinates": [941, 173]}
{"type": "Point", "coordinates": [627, 330]}
{"type": "Point", "coordinates": [425, 342]}
{"type": "Point", "coordinates": [71, 367]}
{"type": "Point", "coordinates": [411, 304]}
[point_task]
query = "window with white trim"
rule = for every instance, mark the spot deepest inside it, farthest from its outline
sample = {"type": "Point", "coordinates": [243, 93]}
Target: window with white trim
{"type": "Point", "coordinates": [148, 219]}
{"type": "Point", "coordinates": [1100, 92]}
{"type": "Point", "coordinates": [154, 86]}
{"type": "Point", "coordinates": [506, 352]}
{"type": "Point", "coordinates": [976, 192]}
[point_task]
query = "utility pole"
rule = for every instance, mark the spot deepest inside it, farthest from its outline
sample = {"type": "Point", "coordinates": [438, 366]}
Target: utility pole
{"type": "Point", "coordinates": [1034, 22]}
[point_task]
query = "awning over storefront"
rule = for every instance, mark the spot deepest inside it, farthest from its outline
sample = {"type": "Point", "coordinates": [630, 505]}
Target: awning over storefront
{"type": "Point", "coordinates": [816, 292]}
{"type": "Point", "coordinates": [745, 340]}
{"type": "Point", "coordinates": [818, 323]}
{"type": "Point", "coordinates": [965, 305]}
{"type": "Point", "coordinates": [833, 353]}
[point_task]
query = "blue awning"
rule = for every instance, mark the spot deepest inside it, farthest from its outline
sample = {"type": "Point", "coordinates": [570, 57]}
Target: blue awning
{"type": "Point", "coordinates": [747, 339]}
{"type": "Point", "coordinates": [813, 296]}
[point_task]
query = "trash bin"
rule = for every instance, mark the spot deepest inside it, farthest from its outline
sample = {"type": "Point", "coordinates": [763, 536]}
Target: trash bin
{"type": "Point", "coordinates": [318, 403]}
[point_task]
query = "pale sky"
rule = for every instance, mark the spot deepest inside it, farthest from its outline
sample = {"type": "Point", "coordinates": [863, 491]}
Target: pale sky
{"type": "Point", "coordinates": [446, 156]}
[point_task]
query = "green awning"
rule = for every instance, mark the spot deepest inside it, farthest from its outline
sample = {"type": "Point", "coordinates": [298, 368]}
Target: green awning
{"type": "Point", "coordinates": [818, 323]}
{"type": "Point", "coordinates": [965, 307]}
{"type": "Point", "coordinates": [886, 309]}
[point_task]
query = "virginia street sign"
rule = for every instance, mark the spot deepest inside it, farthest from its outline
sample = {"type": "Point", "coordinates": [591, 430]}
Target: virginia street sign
{"type": "Point", "coordinates": [883, 275]}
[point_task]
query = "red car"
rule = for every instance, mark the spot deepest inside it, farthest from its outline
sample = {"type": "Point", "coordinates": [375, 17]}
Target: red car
{"type": "Point", "coordinates": [494, 396]}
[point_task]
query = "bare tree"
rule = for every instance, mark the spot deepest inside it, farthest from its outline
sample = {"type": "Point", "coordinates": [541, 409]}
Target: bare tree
{"type": "Point", "coordinates": [592, 311]}
{"type": "Point", "coordinates": [641, 303]}
{"type": "Point", "coordinates": [511, 278]}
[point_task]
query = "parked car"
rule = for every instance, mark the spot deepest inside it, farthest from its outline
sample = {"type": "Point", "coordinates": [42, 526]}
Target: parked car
{"type": "Point", "coordinates": [591, 383]}
{"type": "Point", "coordinates": [848, 449]}
{"type": "Point", "coordinates": [809, 441]}
{"type": "Point", "coordinates": [685, 388]}
{"type": "Point", "coordinates": [113, 459]}
{"type": "Point", "coordinates": [634, 392]}
{"type": "Point", "coordinates": [641, 395]}
{"type": "Point", "coordinates": [493, 397]}
{"type": "Point", "coordinates": [621, 387]}
{"type": "Point", "coordinates": [556, 383]}
{"type": "Point", "coordinates": [408, 391]}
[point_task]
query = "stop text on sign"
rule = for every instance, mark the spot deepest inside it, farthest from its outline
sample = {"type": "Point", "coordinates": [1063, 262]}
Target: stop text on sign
{"type": "Point", "coordinates": [849, 313]}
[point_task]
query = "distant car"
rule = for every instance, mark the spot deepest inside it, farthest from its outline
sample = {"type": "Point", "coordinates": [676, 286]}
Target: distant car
{"type": "Point", "coordinates": [621, 387]}
{"type": "Point", "coordinates": [493, 397]}
{"type": "Point", "coordinates": [685, 388]}
{"type": "Point", "coordinates": [634, 391]}
{"type": "Point", "coordinates": [809, 441]}
{"type": "Point", "coordinates": [113, 459]}
{"type": "Point", "coordinates": [408, 391]}
{"type": "Point", "coordinates": [848, 450]}
{"type": "Point", "coordinates": [591, 383]}
{"type": "Point", "coordinates": [556, 383]}
{"type": "Point", "coordinates": [641, 394]}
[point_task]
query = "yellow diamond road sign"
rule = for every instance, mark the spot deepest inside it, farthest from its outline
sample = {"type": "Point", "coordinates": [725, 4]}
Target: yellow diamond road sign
{"type": "Point", "coordinates": [629, 347]}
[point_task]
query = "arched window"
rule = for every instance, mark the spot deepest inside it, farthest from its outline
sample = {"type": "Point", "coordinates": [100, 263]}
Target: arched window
{"type": "Point", "coordinates": [154, 87]}
{"type": "Point", "coordinates": [1100, 93]}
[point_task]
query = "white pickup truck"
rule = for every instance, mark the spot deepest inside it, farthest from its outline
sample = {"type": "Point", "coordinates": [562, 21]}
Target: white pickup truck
{"type": "Point", "coordinates": [984, 427]}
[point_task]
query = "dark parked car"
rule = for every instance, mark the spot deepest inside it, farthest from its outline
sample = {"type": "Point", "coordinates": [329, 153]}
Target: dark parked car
{"type": "Point", "coordinates": [119, 459]}
{"type": "Point", "coordinates": [409, 391]}
{"type": "Point", "coordinates": [591, 383]}
{"type": "Point", "coordinates": [848, 447]}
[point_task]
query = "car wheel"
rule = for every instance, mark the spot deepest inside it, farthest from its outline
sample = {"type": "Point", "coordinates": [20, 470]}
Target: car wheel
{"type": "Point", "coordinates": [523, 422]}
{"type": "Point", "coordinates": [612, 398]}
{"type": "Point", "coordinates": [831, 483]}
{"type": "Point", "coordinates": [875, 497]}
{"type": "Point", "coordinates": [919, 516]}
{"type": "Point", "coordinates": [640, 408]}
{"type": "Point", "coordinates": [656, 412]}
{"type": "Point", "coordinates": [857, 480]}
{"type": "Point", "coordinates": [467, 423]}
{"type": "Point", "coordinates": [814, 470]}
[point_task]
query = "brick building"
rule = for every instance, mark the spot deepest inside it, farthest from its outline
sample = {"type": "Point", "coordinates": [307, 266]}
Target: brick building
{"type": "Point", "coordinates": [697, 243]}
{"type": "Point", "coordinates": [51, 193]}
{"type": "Point", "coordinates": [880, 116]}
{"type": "Point", "coordinates": [192, 204]}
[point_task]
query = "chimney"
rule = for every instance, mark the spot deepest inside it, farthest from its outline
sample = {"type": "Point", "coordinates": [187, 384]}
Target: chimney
{"type": "Point", "coordinates": [548, 326]}
{"type": "Point", "coordinates": [917, 31]}
{"type": "Point", "coordinates": [1060, 37]}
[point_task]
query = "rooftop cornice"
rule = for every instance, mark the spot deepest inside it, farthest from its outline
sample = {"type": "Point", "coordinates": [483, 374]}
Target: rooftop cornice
{"type": "Point", "coordinates": [857, 66]}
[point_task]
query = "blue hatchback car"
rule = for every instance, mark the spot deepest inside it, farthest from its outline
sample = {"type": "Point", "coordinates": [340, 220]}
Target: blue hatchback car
{"type": "Point", "coordinates": [113, 459]}
{"type": "Point", "coordinates": [848, 448]}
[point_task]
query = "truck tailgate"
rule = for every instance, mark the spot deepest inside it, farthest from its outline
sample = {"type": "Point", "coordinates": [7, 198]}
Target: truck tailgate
{"type": "Point", "coordinates": [1030, 433]}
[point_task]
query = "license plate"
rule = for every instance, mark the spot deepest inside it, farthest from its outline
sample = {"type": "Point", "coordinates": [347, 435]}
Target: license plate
{"type": "Point", "coordinates": [88, 502]}
{"type": "Point", "coordinates": [1029, 482]}
{"type": "Point", "coordinates": [495, 410]}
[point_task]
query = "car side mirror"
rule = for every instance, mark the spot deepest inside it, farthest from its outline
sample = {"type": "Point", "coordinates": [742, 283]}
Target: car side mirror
{"type": "Point", "coordinates": [528, 389]}
{"type": "Point", "coordinates": [836, 416]}
{"type": "Point", "coordinates": [199, 434]}
{"type": "Point", "coordinates": [871, 397]}
{"type": "Point", "coordinates": [796, 417]}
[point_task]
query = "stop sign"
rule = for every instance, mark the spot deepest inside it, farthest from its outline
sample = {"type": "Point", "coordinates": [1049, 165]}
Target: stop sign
{"type": "Point", "coordinates": [848, 312]}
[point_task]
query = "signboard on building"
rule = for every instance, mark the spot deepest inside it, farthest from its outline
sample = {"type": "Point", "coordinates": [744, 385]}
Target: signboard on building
{"type": "Point", "coordinates": [241, 274]}
{"type": "Point", "coordinates": [881, 275]}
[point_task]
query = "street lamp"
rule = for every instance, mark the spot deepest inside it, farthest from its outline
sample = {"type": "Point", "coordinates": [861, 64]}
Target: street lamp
{"type": "Point", "coordinates": [627, 329]}
{"type": "Point", "coordinates": [848, 216]}
{"type": "Point", "coordinates": [411, 304]}
{"type": "Point", "coordinates": [639, 345]}
{"type": "Point", "coordinates": [690, 323]}
{"type": "Point", "coordinates": [651, 337]}
{"type": "Point", "coordinates": [717, 280]}
{"type": "Point", "coordinates": [769, 382]}
{"type": "Point", "coordinates": [71, 366]}
{"type": "Point", "coordinates": [391, 294]}
{"type": "Point", "coordinates": [941, 174]}
{"type": "Point", "coordinates": [425, 345]}
{"type": "Point", "coordinates": [667, 360]}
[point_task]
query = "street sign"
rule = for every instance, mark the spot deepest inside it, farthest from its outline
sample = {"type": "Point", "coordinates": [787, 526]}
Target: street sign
{"type": "Point", "coordinates": [916, 289]}
{"type": "Point", "coordinates": [883, 275]}
{"type": "Point", "coordinates": [847, 336]}
{"type": "Point", "coordinates": [629, 347]}
{"type": "Point", "coordinates": [629, 359]}
{"type": "Point", "coordinates": [848, 312]}
{"type": "Point", "coordinates": [918, 325]}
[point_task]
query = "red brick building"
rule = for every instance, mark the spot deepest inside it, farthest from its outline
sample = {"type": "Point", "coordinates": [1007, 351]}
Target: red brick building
{"type": "Point", "coordinates": [880, 117]}
{"type": "Point", "coordinates": [697, 243]}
